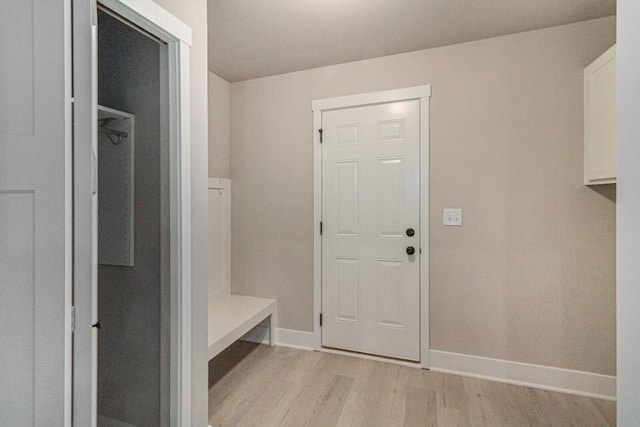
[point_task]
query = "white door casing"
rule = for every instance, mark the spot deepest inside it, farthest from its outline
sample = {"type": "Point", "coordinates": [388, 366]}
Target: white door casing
{"type": "Point", "coordinates": [35, 213]}
{"type": "Point", "coordinates": [370, 198]}
{"type": "Point", "coordinates": [152, 18]}
{"type": "Point", "coordinates": [422, 94]}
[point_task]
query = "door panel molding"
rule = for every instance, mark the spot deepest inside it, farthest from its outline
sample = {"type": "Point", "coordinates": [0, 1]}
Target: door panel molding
{"type": "Point", "coordinates": [389, 132]}
{"type": "Point", "coordinates": [35, 213]}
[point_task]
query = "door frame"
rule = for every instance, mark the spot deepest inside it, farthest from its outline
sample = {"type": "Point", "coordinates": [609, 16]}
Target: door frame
{"type": "Point", "coordinates": [422, 94]}
{"type": "Point", "coordinates": [152, 18]}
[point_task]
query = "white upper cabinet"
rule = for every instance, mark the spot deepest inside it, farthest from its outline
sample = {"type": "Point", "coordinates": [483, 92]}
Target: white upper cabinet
{"type": "Point", "coordinates": [600, 120]}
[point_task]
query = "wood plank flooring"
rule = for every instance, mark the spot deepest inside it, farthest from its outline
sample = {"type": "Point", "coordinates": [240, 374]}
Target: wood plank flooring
{"type": "Point", "coordinates": [254, 385]}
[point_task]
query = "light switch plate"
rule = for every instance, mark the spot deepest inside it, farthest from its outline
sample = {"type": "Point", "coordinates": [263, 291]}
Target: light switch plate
{"type": "Point", "coordinates": [452, 217]}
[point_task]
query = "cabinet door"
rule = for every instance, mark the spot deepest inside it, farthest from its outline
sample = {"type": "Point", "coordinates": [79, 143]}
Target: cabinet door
{"type": "Point", "coordinates": [600, 120]}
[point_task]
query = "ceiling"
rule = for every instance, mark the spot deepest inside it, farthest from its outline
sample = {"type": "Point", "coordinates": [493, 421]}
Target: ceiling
{"type": "Point", "coordinates": [257, 38]}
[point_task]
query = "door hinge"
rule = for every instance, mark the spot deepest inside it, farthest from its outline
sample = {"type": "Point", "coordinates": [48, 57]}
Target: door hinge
{"type": "Point", "coordinates": [320, 130]}
{"type": "Point", "coordinates": [320, 319]}
{"type": "Point", "coordinates": [73, 319]}
{"type": "Point", "coordinates": [321, 228]}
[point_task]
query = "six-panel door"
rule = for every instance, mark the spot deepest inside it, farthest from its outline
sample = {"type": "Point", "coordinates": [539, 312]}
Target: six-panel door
{"type": "Point", "coordinates": [370, 198]}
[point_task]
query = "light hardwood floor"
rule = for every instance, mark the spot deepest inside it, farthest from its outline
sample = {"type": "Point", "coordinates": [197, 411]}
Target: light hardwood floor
{"type": "Point", "coordinates": [254, 385]}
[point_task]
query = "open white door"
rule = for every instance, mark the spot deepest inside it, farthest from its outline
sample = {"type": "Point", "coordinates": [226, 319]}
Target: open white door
{"type": "Point", "coordinates": [35, 213]}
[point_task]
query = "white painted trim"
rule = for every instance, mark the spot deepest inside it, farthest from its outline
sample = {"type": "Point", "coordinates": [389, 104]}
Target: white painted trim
{"type": "Point", "coordinates": [295, 339]}
{"type": "Point", "coordinates": [382, 97]}
{"type": "Point", "coordinates": [233, 317]}
{"type": "Point", "coordinates": [421, 93]}
{"type": "Point", "coordinates": [425, 251]}
{"type": "Point", "coordinates": [285, 337]}
{"type": "Point", "coordinates": [151, 17]}
{"type": "Point", "coordinates": [544, 377]}
{"type": "Point", "coordinates": [180, 166]}
{"type": "Point", "coordinates": [154, 19]}
{"type": "Point", "coordinates": [304, 341]}
{"type": "Point", "coordinates": [524, 374]}
{"type": "Point", "coordinates": [68, 209]}
{"type": "Point", "coordinates": [317, 238]}
{"type": "Point", "coordinates": [219, 183]}
{"type": "Point", "coordinates": [85, 220]}
{"type": "Point", "coordinates": [222, 185]}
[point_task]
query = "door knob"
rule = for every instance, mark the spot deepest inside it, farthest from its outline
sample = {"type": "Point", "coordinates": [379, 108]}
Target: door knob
{"type": "Point", "coordinates": [411, 250]}
{"type": "Point", "coordinates": [410, 232]}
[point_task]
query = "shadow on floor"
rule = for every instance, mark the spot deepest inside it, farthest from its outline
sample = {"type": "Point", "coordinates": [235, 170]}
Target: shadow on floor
{"type": "Point", "coordinates": [223, 363]}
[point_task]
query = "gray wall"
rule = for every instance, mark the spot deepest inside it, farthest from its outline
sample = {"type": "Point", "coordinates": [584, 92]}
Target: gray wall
{"type": "Point", "coordinates": [628, 213]}
{"type": "Point", "coordinates": [129, 298]}
{"type": "Point", "coordinates": [530, 277]}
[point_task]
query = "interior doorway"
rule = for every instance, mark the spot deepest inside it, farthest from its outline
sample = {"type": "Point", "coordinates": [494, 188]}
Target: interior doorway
{"type": "Point", "coordinates": [133, 226]}
{"type": "Point", "coordinates": [371, 198]}
{"type": "Point", "coordinates": [132, 264]}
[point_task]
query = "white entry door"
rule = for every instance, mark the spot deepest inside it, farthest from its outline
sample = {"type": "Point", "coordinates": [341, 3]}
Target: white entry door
{"type": "Point", "coordinates": [370, 236]}
{"type": "Point", "coordinates": [35, 213]}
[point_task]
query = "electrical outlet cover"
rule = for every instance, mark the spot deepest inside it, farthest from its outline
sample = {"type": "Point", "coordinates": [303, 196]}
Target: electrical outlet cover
{"type": "Point", "coordinates": [452, 217]}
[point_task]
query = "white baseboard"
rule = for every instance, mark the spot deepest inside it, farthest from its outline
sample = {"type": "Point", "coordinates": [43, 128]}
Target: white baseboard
{"type": "Point", "coordinates": [110, 422]}
{"type": "Point", "coordinates": [285, 337]}
{"type": "Point", "coordinates": [544, 377]}
{"type": "Point", "coordinates": [525, 374]}
{"type": "Point", "coordinates": [295, 339]}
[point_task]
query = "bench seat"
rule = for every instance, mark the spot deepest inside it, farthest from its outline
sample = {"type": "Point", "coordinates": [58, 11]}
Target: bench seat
{"type": "Point", "coordinates": [233, 316]}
